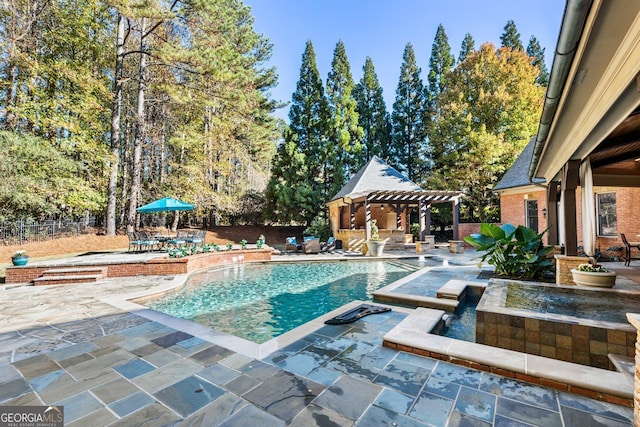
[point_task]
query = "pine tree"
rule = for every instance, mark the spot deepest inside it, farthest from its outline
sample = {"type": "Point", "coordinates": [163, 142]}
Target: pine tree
{"type": "Point", "coordinates": [372, 112]}
{"type": "Point", "coordinates": [344, 155]}
{"type": "Point", "coordinates": [294, 194]}
{"type": "Point", "coordinates": [408, 111]}
{"type": "Point", "coordinates": [467, 48]}
{"type": "Point", "coordinates": [536, 53]}
{"type": "Point", "coordinates": [440, 64]}
{"type": "Point", "coordinates": [511, 37]}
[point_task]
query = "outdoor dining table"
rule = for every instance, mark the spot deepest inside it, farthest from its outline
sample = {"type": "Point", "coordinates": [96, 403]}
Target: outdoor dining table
{"type": "Point", "coordinates": [163, 239]}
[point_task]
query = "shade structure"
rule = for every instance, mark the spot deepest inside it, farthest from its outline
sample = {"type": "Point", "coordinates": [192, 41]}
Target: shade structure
{"type": "Point", "coordinates": [166, 204]}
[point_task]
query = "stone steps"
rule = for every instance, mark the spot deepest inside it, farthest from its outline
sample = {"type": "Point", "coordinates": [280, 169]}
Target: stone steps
{"type": "Point", "coordinates": [70, 276]}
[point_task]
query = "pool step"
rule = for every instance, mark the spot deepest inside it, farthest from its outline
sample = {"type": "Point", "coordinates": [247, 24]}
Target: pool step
{"type": "Point", "coordinates": [453, 289]}
{"type": "Point", "coordinates": [69, 276]}
{"type": "Point", "coordinates": [624, 364]}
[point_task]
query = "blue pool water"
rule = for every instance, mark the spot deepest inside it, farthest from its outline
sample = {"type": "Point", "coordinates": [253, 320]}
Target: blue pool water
{"type": "Point", "coordinates": [261, 301]}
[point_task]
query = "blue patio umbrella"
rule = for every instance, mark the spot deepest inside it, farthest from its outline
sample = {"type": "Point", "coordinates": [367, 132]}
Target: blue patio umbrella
{"type": "Point", "coordinates": [166, 204]}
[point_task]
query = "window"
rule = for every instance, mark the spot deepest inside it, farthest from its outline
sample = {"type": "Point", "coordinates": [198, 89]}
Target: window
{"type": "Point", "coordinates": [532, 214]}
{"type": "Point", "coordinates": [606, 211]}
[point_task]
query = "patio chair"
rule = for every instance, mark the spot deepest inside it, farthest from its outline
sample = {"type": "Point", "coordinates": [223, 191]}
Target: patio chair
{"type": "Point", "coordinates": [146, 240]}
{"type": "Point", "coordinates": [329, 245]}
{"type": "Point", "coordinates": [311, 245]}
{"type": "Point", "coordinates": [134, 241]}
{"type": "Point", "coordinates": [628, 246]}
{"type": "Point", "coordinates": [179, 240]}
{"type": "Point", "coordinates": [196, 238]}
{"type": "Point", "coordinates": [291, 244]}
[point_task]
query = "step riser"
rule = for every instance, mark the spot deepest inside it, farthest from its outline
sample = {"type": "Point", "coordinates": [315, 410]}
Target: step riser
{"type": "Point", "coordinates": [63, 281]}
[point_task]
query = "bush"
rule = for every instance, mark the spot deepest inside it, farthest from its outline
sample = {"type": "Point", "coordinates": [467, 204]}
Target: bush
{"type": "Point", "coordinates": [319, 228]}
{"type": "Point", "coordinates": [515, 252]}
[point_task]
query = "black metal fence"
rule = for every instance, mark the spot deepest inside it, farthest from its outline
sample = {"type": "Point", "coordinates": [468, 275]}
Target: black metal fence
{"type": "Point", "coordinates": [21, 232]}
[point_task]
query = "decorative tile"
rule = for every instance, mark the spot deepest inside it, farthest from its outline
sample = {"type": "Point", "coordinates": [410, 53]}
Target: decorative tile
{"type": "Point", "coordinates": [520, 391]}
{"type": "Point", "coordinates": [51, 380]}
{"type": "Point", "coordinates": [218, 374]}
{"type": "Point", "coordinates": [114, 390]}
{"type": "Point", "coordinates": [442, 388]}
{"type": "Point", "coordinates": [14, 388]}
{"type": "Point", "coordinates": [394, 401]}
{"type": "Point", "coordinates": [211, 355]}
{"type": "Point", "coordinates": [457, 374]}
{"type": "Point", "coordinates": [72, 351]}
{"type": "Point", "coordinates": [361, 395]}
{"type": "Point", "coordinates": [404, 377]}
{"type": "Point", "coordinates": [284, 394]}
{"type": "Point", "coordinates": [527, 413]}
{"type": "Point", "coordinates": [191, 342]}
{"type": "Point", "coordinates": [133, 369]}
{"type": "Point", "coordinates": [476, 403]}
{"type": "Point", "coordinates": [380, 417]}
{"type": "Point", "coordinates": [78, 406]}
{"type": "Point", "coordinates": [458, 419]}
{"type": "Point", "coordinates": [37, 366]}
{"type": "Point", "coordinates": [161, 357]}
{"type": "Point", "coordinates": [171, 339]}
{"type": "Point", "coordinates": [221, 409]}
{"type": "Point", "coordinates": [252, 416]}
{"type": "Point", "coordinates": [575, 417]}
{"type": "Point", "coordinates": [314, 415]}
{"type": "Point", "coordinates": [157, 413]}
{"type": "Point", "coordinates": [432, 409]}
{"type": "Point", "coordinates": [131, 403]}
{"type": "Point", "coordinates": [187, 396]}
{"type": "Point", "coordinates": [242, 384]}
{"type": "Point", "coordinates": [604, 409]}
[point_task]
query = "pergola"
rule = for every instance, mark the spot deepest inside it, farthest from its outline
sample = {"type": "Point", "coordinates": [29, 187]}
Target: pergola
{"type": "Point", "coordinates": [380, 192]}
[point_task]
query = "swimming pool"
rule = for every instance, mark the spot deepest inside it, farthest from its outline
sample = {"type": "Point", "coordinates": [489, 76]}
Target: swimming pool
{"type": "Point", "coordinates": [259, 302]}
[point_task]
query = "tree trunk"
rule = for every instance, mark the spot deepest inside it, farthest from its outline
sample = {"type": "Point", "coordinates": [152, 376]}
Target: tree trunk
{"type": "Point", "coordinates": [139, 137]}
{"type": "Point", "coordinates": [115, 130]}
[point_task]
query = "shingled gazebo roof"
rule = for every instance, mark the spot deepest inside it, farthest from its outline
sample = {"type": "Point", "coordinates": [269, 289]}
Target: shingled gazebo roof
{"type": "Point", "coordinates": [379, 182]}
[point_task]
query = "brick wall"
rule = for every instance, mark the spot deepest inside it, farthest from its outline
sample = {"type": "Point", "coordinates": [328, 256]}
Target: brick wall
{"type": "Point", "coordinates": [153, 267]}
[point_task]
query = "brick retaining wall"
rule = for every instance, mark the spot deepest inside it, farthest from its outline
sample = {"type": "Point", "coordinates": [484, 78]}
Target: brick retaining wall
{"type": "Point", "coordinates": [153, 267]}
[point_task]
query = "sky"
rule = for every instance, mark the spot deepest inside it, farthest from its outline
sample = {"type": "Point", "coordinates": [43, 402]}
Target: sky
{"type": "Point", "coordinates": [382, 28]}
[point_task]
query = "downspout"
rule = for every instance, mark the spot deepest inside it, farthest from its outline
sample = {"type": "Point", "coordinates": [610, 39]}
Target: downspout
{"type": "Point", "coordinates": [573, 21]}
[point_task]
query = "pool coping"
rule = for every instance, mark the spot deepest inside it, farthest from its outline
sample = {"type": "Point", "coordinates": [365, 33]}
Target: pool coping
{"type": "Point", "coordinates": [412, 335]}
{"type": "Point", "coordinates": [130, 303]}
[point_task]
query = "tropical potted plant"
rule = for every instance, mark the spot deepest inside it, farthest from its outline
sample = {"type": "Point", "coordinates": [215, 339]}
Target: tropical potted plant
{"type": "Point", "coordinates": [594, 275]}
{"type": "Point", "coordinates": [375, 245]}
{"type": "Point", "coordinates": [20, 257]}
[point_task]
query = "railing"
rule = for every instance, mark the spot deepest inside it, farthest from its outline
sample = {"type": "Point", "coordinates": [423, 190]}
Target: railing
{"type": "Point", "coordinates": [20, 232]}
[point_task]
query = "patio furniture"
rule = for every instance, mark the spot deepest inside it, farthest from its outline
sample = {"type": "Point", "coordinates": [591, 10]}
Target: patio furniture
{"type": "Point", "coordinates": [628, 246]}
{"type": "Point", "coordinates": [311, 245]}
{"type": "Point", "coordinates": [134, 241]}
{"type": "Point", "coordinates": [179, 240]}
{"type": "Point", "coordinates": [329, 245]}
{"type": "Point", "coordinates": [195, 238]}
{"type": "Point", "coordinates": [147, 241]}
{"type": "Point", "coordinates": [291, 244]}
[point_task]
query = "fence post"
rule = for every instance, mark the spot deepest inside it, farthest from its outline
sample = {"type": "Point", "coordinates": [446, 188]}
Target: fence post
{"type": "Point", "coordinates": [53, 231]}
{"type": "Point", "coordinates": [21, 232]}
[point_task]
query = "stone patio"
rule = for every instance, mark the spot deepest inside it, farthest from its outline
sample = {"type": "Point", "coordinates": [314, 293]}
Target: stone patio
{"type": "Point", "coordinates": [64, 345]}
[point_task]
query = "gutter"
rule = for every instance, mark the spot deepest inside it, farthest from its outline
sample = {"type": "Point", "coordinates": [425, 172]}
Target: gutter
{"type": "Point", "coordinates": [573, 22]}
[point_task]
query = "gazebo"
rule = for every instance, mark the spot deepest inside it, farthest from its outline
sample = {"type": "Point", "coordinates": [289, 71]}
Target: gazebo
{"type": "Point", "coordinates": [380, 192]}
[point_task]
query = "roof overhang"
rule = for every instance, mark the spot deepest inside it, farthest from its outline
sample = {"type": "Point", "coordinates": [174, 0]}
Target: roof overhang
{"type": "Point", "coordinates": [601, 89]}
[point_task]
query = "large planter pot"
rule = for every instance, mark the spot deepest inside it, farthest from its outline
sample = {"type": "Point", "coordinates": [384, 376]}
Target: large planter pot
{"type": "Point", "coordinates": [589, 278]}
{"type": "Point", "coordinates": [20, 260]}
{"type": "Point", "coordinates": [375, 247]}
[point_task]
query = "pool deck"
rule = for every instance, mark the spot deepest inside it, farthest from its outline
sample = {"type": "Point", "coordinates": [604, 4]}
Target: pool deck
{"type": "Point", "coordinates": [109, 363]}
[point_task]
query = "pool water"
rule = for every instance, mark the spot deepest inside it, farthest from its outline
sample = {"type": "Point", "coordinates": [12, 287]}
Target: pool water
{"type": "Point", "coordinates": [581, 303]}
{"type": "Point", "coordinates": [261, 301]}
{"type": "Point", "coordinates": [462, 324]}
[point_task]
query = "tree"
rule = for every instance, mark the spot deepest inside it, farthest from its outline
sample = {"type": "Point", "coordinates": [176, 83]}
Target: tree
{"type": "Point", "coordinates": [304, 141]}
{"type": "Point", "coordinates": [536, 53]}
{"type": "Point", "coordinates": [440, 64]}
{"type": "Point", "coordinates": [510, 37]}
{"type": "Point", "coordinates": [372, 113]}
{"type": "Point", "coordinates": [407, 116]}
{"type": "Point", "coordinates": [344, 155]}
{"type": "Point", "coordinates": [467, 47]}
{"type": "Point", "coordinates": [490, 108]}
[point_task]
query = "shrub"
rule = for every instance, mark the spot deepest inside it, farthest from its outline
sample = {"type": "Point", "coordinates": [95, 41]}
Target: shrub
{"type": "Point", "coordinates": [515, 252]}
{"type": "Point", "coordinates": [320, 228]}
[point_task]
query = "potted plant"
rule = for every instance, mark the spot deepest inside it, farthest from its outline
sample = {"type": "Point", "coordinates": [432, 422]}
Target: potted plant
{"type": "Point", "coordinates": [260, 242]}
{"type": "Point", "coordinates": [375, 245]}
{"type": "Point", "coordinates": [20, 257]}
{"type": "Point", "coordinates": [243, 244]}
{"type": "Point", "coordinates": [594, 275]}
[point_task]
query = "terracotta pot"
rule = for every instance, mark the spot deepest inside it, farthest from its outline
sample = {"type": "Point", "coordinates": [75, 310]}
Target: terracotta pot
{"type": "Point", "coordinates": [592, 278]}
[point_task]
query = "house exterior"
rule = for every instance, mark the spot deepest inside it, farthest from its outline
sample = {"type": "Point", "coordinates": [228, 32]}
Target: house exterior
{"type": "Point", "coordinates": [524, 201]}
{"type": "Point", "coordinates": [587, 149]}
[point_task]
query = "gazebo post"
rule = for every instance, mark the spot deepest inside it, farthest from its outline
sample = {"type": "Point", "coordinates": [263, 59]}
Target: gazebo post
{"type": "Point", "coordinates": [367, 210]}
{"type": "Point", "coordinates": [398, 217]}
{"type": "Point", "coordinates": [423, 214]}
{"type": "Point", "coordinates": [456, 218]}
{"type": "Point", "coordinates": [428, 221]}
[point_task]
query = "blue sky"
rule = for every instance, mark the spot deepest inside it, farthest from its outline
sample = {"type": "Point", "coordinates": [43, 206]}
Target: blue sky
{"type": "Point", "coordinates": [381, 29]}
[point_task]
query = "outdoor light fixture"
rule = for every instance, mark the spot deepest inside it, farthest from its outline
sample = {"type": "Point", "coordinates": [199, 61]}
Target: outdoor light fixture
{"type": "Point", "coordinates": [382, 207]}
{"type": "Point", "coordinates": [544, 212]}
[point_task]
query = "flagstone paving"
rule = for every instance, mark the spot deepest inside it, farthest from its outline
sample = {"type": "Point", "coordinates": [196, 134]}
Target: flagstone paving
{"type": "Point", "coordinates": [108, 367]}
